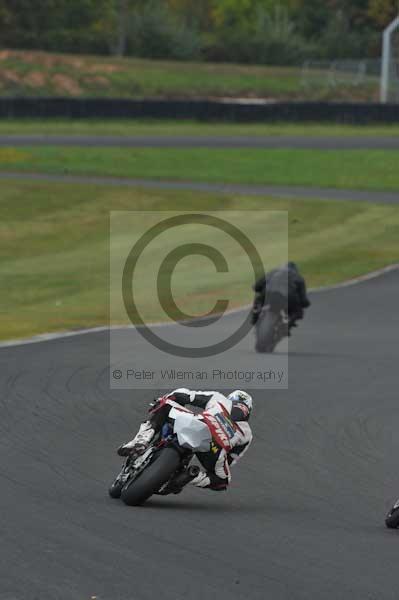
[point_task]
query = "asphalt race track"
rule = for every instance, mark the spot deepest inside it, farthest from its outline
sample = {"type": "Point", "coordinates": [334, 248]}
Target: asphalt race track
{"type": "Point", "coordinates": [278, 191]}
{"type": "Point", "coordinates": [303, 518]}
{"type": "Point", "coordinates": [204, 141]}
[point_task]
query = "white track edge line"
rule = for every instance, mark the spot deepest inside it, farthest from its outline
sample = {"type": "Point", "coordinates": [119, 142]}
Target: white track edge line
{"type": "Point", "coordinates": [46, 337]}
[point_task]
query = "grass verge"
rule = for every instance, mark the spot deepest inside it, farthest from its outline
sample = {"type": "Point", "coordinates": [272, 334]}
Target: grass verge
{"type": "Point", "coordinates": [126, 127]}
{"type": "Point", "coordinates": [28, 73]}
{"type": "Point", "coordinates": [55, 245]}
{"type": "Point", "coordinates": [346, 169]}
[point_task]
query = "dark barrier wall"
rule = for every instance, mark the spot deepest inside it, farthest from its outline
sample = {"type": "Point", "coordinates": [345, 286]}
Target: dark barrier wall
{"type": "Point", "coordinates": [204, 110]}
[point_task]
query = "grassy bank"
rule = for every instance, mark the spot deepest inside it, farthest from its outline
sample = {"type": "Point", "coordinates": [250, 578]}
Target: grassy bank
{"type": "Point", "coordinates": [126, 127]}
{"type": "Point", "coordinates": [25, 73]}
{"type": "Point", "coordinates": [354, 169]}
{"type": "Point", "coordinates": [55, 244]}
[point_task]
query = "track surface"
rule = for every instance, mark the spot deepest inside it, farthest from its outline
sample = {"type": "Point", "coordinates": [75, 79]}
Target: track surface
{"type": "Point", "coordinates": [153, 141]}
{"type": "Point", "coordinates": [303, 518]}
{"type": "Point", "coordinates": [278, 191]}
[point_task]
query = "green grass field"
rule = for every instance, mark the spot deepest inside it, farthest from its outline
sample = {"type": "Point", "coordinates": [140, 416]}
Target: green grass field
{"type": "Point", "coordinates": [126, 127]}
{"type": "Point", "coordinates": [55, 244]}
{"type": "Point", "coordinates": [352, 169]}
{"type": "Point", "coordinates": [55, 236]}
{"type": "Point", "coordinates": [26, 73]}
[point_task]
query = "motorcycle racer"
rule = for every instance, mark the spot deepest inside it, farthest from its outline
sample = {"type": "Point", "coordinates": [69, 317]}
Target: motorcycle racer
{"type": "Point", "coordinates": [287, 283]}
{"type": "Point", "coordinates": [225, 417]}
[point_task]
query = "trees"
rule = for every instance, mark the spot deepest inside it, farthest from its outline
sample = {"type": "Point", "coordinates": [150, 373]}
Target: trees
{"type": "Point", "coordinates": [228, 30]}
{"type": "Point", "coordinates": [355, 11]}
{"type": "Point", "coordinates": [383, 12]}
{"type": "Point", "coordinates": [242, 13]}
{"type": "Point", "coordinates": [311, 16]}
{"type": "Point", "coordinates": [122, 16]}
{"type": "Point", "coordinates": [65, 25]}
{"type": "Point", "coordinates": [154, 31]}
{"type": "Point", "coordinates": [196, 13]}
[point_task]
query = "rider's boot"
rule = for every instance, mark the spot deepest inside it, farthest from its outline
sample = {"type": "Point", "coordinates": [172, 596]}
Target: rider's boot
{"type": "Point", "coordinates": [181, 480]}
{"type": "Point", "coordinates": [140, 442]}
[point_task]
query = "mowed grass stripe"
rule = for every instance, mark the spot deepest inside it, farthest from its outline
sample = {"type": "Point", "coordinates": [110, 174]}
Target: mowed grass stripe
{"type": "Point", "coordinates": [345, 169]}
{"type": "Point", "coordinates": [55, 248]}
{"type": "Point", "coordinates": [130, 127]}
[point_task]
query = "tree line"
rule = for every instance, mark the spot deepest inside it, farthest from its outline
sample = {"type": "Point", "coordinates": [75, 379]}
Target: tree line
{"type": "Point", "coordinates": [247, 31]}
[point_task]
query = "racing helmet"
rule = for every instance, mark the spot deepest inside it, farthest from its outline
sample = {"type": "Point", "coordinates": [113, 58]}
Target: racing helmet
{"type": "Point", "coordinates": [242, 405]}
{"type": "Point", "coordinates": [292, 266]}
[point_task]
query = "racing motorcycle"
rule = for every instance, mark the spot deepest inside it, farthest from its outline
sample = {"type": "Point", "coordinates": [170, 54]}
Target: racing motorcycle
{"type": "Point", "coordinates": [271, 327]}
{"type": "Point", "coordinates": [164, 467]}
{"type": "Point", "coordinates": [392, 518]}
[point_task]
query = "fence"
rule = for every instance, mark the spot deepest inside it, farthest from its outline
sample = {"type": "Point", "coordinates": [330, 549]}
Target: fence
{"type": "Point", "coordinates": [202, 110]}
{"type": "Point", "coordinates": [363, 77]}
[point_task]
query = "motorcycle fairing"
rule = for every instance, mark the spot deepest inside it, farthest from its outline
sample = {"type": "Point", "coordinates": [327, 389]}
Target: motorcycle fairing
{"type": "Point", "coordinates": [221, 431]}
{"type": "Point", "coordinates": [191, 432]}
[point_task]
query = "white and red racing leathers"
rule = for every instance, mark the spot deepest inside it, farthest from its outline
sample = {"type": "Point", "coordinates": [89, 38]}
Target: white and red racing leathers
{"type": "Point", "coordinates": [230, 437]}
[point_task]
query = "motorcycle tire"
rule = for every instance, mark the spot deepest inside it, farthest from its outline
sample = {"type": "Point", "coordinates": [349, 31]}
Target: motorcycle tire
{"type": "Point", "coordinates": [153, 477]}
{"type": "Point", "coordinates": [265, 332]}
{"type": "Point", "coordinates": [115, 490]}
{"type": "Point", "coordinates": [392, 518]}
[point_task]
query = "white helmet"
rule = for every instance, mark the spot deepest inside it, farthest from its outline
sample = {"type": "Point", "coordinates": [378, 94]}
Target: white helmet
{"type": "Point", "coordinates": [242, 401]}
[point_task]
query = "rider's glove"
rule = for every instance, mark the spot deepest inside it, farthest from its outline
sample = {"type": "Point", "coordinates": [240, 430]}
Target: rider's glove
{"type": "Point", "coordinates": [154, 404]}
{"type": "Point", "coordinates": [136, 449]}
{"type": "Point", "coordinates": [123, 450]}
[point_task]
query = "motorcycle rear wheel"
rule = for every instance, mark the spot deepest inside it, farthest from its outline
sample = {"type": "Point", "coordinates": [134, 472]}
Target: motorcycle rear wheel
{"type": "Point", "coordinates": [265, 332]}
{"type": "Point", "coordinates": [153, 477]}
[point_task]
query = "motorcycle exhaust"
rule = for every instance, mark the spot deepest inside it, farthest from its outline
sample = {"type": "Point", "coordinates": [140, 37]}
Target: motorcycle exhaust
{"type": "Point", "coordinates": [184, 478]}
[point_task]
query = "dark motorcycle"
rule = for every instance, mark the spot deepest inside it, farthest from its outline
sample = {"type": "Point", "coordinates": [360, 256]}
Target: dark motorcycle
{"type": "Point", "coordinates": [163, 468]}
{"type": "Point", "coordinates": [271, 327]}
{"type": "Point", "coordinates": [392, 518]}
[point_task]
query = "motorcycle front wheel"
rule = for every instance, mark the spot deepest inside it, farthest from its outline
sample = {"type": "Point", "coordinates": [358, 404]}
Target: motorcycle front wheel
{"type": "Point", "coordinates": [115, 490]}
{"type": "Point", "coordinates": [392, 518]}
{"type": "Point", "coordinates": [158, 472]}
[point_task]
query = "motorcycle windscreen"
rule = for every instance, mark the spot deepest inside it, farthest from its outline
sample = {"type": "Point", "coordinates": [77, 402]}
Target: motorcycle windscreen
{"type": "Point", "coordinates": [191, 432]}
